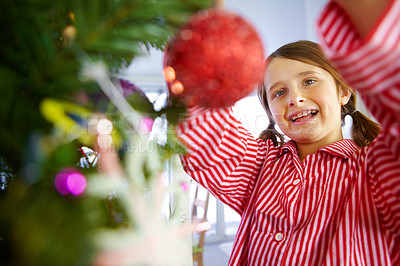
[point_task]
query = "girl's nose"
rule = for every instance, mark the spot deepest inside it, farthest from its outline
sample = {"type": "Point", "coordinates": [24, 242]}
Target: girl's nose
{"type": "Point", "coordinates": [295, 99]}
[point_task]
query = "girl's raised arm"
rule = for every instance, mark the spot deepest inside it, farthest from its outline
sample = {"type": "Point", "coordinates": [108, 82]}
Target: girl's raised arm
{"type": "Point", "coordinates": [371, 65]}
{"type": "Point", "coordinates": [363, 13]}
{"type": "Point", "coordinates": [222, 156]}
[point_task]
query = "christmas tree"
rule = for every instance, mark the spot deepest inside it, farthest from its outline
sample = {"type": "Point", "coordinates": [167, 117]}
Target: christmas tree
{"type": "Point", "coordinates": [63, 100]}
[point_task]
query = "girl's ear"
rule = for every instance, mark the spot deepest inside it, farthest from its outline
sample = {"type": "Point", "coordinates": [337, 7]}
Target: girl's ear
{"type": "Point", "coordinates": [345, 95]}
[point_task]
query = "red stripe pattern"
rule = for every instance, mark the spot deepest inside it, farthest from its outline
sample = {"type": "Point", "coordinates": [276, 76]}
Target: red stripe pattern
{"type": "Point", "coordinates": [340, 206]}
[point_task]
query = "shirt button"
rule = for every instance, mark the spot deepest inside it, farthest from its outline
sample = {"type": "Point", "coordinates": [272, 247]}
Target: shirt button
{"type": "Point", "coordinates": [296, 181]}
{"type": "Point", "coordinates": [279, 237]}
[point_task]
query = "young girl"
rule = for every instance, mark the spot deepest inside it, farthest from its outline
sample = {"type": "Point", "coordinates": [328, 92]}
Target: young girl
{"type": "Point", "coordinates": [317, 199]}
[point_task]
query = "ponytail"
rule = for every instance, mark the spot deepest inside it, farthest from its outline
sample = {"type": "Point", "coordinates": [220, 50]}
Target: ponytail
{"type": "Point", "coordinates": [272, 134]}
{"type": "Point", "coordinates": [364, 130]}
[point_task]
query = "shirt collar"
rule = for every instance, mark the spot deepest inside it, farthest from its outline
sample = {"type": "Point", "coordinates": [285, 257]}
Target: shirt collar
{"type": "Point", "coordinates": [343, 148]}
{"type": "Point", "coordinates": [289, 146]}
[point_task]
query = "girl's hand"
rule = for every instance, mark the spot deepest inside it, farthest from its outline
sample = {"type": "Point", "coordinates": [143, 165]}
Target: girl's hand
{"type": "Point", "coordinates": [363, 13]}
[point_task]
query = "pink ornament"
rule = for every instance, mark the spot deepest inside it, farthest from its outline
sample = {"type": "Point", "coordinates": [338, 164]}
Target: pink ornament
{"type": "Point", "coordinates": [61, 183]}
{"type": "Point", "coordinates": [70, 180]}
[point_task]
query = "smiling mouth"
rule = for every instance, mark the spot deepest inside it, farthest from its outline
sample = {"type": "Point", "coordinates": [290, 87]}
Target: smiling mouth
{"type": "Point", "coordinates": [303, 116]}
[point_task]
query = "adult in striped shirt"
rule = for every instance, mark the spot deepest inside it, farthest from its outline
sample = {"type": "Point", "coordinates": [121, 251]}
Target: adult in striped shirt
{"type": "Point", "coordinates": [317, 199]}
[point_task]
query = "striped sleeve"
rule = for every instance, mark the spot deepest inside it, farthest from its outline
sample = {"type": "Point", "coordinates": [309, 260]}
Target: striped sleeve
{"type": "Point", "coordinates": [222, 156]}
{"type": "Point", "coordinates": [372, 66]}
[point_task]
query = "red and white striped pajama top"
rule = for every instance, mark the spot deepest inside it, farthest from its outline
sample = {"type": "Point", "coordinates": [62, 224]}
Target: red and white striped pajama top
{"type": "Point", "coordinates": [340, 205]}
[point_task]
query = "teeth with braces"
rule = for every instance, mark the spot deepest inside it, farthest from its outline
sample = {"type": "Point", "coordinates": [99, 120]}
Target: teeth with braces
{"type": "Point", "coordinates": [294, 118]}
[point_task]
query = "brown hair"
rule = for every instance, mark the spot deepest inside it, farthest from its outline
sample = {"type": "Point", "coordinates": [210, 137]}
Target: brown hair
{"type": "Point", "coordinates": [364, 130]}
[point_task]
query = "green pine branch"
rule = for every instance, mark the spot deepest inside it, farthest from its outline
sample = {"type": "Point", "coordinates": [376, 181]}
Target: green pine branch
{"type": "Point", "coordinates": [35, 62]}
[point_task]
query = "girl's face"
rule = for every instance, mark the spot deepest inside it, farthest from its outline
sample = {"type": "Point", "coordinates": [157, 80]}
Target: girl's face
{"type": "Point", "coordinates": [304, 101]}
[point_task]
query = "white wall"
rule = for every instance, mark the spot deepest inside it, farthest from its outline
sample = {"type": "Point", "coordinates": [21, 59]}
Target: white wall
{"type": "Point", "coordinates": [278, 22]}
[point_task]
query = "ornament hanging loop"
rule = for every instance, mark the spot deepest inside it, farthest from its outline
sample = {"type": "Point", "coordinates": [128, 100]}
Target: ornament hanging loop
{"type": "Point", "coordinates": [219, 4]}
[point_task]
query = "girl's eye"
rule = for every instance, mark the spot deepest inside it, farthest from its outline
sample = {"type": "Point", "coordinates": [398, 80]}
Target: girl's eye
{"type": "Point", "coordinates": [309, 81]}
{"type": "Point", "coordinates": [279, 93]}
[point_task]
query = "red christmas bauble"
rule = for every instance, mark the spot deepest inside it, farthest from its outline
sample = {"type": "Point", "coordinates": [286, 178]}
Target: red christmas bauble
{"type": "Point", "coordinates": [214, 60]}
